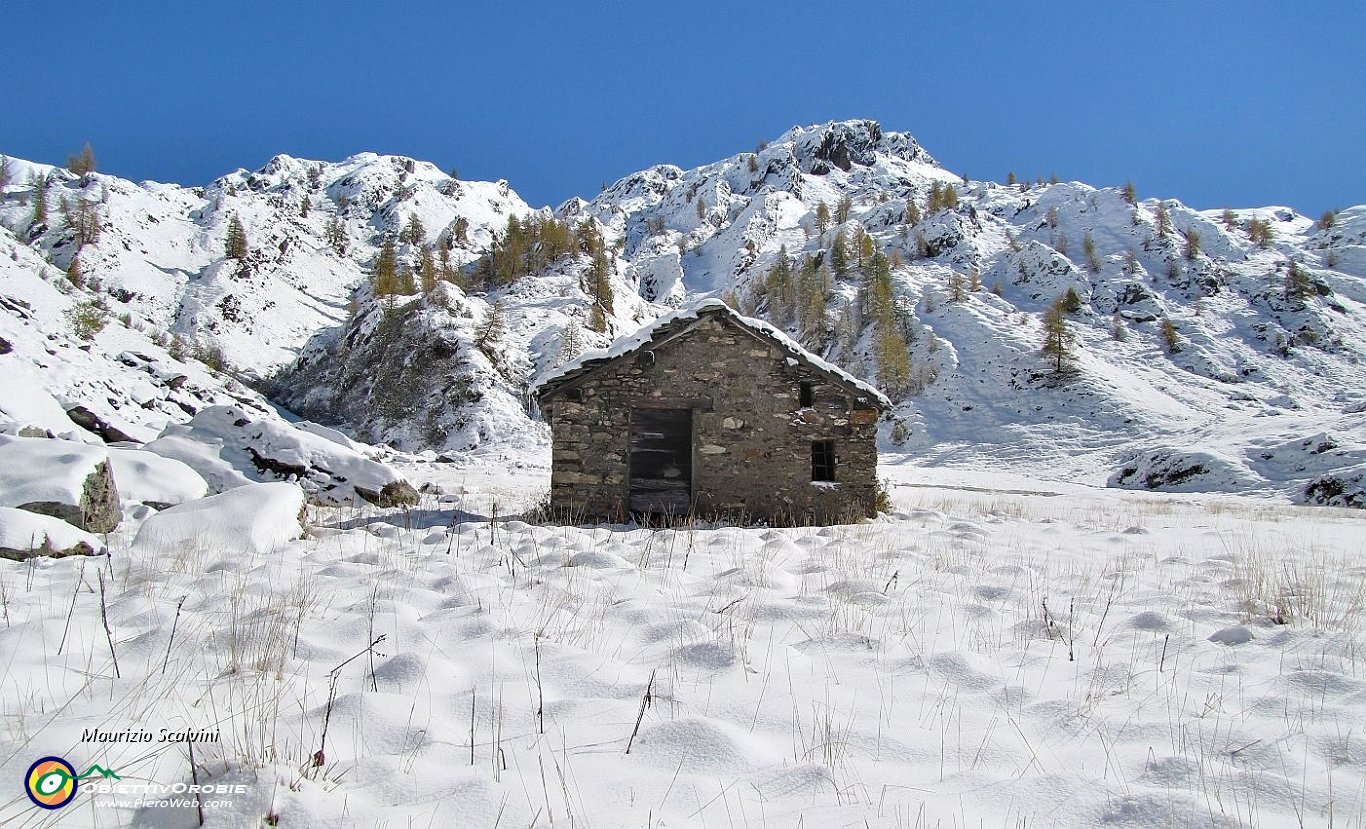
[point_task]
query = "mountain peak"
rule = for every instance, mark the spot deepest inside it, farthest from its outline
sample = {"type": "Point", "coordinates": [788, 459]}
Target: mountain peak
{"type": "Point", "coordinates": [845, 144]}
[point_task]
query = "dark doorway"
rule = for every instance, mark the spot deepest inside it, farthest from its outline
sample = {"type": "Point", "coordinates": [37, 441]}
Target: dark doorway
{"type": "Point", "coordinates": [661, 461]}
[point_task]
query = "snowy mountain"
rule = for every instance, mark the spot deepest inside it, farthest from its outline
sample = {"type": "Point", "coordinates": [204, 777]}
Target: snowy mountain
{"type": "Point", "coordinates": [1205, 350]}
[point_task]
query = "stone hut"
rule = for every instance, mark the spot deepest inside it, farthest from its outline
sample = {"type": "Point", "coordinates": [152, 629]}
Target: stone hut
{"type": "Point", "coordinates": [710, 414]}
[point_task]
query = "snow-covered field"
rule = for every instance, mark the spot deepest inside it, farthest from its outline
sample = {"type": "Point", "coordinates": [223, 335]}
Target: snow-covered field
{"type": "Point", "coordinates": [998, 652]}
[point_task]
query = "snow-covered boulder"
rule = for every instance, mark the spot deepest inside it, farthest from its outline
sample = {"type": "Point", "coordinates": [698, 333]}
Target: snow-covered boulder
{"type": "Point", "coordinates": [1178, 470]}
{"type": "Point", "coordinates": [67, 480]}
{"type": "Point", "coordinates": [230, 447]}
{"type": "Point", "coordinates": [149, 478]}
{"type": "Point", "coordinates": [25, 534]}
{"type": "Point", "coordinates": [252, 518]}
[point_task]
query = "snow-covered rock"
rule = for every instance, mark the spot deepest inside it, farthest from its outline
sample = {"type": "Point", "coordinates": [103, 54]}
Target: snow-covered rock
{"type": "Point", "coordinates": [252, 518]}
{"type": "Point", "coordinates": [1177, 470]}
{"type": "Point", "coordinates": [159, 482]}
{"type": "Point", "coordinates": [61, 478]}
{"type": "Point", "coordinates": [24, 534]}
{"type": "Point", "coordinates": [231, 447]}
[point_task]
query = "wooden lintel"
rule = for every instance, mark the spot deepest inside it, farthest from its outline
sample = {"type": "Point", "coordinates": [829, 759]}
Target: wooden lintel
{"type": "Point", "coordinates": [697, 404]}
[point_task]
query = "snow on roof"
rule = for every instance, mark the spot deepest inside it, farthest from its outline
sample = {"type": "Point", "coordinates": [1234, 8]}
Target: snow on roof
{"type": "Point", "coordinates": [641, 338]}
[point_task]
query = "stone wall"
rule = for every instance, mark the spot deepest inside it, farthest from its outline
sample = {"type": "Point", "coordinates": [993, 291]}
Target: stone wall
{"type": "Point", "coordinates": [751, 437]}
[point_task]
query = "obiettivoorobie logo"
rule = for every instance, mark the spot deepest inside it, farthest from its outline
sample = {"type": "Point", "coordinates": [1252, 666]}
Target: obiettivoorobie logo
{"type": "Point", "coordinates": [51, 782]}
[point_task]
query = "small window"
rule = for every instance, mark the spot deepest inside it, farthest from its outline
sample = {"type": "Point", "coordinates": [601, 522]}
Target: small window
{"type": "Point", "coordinates": [806, 394]}
{"type": "Point", "coordinates": [822, 460]}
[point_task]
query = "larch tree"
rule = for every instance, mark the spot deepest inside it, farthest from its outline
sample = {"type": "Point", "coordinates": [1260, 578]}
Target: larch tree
{"type": "Point", "coordinates": [822, 217]}
{"type": "Point", "coordinates": [1057, 335]}
{"type": "Point", "coordinates": [386, 269]}
{"type": "Point", "coordinates": [82, 164]}
{"type": "Point", "coordinates": [489, 333]}
{"type": "Point", "coordinates": [779, 287]}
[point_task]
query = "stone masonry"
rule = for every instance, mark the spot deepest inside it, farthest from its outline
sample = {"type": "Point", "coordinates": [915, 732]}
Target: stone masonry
{"type": "Point", "coordinates": [751, 447]}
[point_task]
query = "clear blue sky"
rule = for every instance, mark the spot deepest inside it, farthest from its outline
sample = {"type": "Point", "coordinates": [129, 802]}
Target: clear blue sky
{"type": "Point", "coordinates": [1214, 103]}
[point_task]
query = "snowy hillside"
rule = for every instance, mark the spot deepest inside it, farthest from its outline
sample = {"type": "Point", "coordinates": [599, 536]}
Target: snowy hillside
{"type": "Point", "coordinates": [1205, 350]}
{"type": "Point", "coordinates": [1260, 389]}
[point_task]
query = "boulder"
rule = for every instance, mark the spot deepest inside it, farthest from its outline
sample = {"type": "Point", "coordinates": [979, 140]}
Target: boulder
{"type": "Point", "coordinates": [148, 478]}
{"type": "Point", "coordinates": [61, 478]}
{"type": "Point", "coordinates": [91, 422]}
{"type": "Point", "coordinates": [25, 534]}
{"type": "Point", "coordinates": [253, 518]}
{"type": "Point", "coordinates": [231, 446]}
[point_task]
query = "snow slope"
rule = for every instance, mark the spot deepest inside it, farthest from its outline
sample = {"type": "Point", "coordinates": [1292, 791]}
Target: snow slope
{"type": "Point", "coordinates": [1054, 656]}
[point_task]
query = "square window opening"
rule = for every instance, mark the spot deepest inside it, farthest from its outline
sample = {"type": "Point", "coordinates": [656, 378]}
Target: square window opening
{"type": "Point", "coordinates": [806, 394]}
{"type": "Point", "coordinates": [823, 460]}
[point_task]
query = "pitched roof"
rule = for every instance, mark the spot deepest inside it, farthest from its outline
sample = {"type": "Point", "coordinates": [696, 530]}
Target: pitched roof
{"type": "Point", "coordinates": [552, 379]}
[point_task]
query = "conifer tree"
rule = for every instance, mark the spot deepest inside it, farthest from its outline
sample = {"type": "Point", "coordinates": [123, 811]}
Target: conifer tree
{"type": "Point", "coordinates": [39, 185]}
{"type": "Point", "coordinates": [1057, 335]}
{"type": "Point", "coordinates": [935, 201]}
{"type": "Point", "coordinates": [812, 288]}
{"type": "Point", "coordinates": [1171, 341]}
{"type": "Point", "coordinates": [571, 340]}
{"type": "Point", "coordinates": [1130, 262]}
{"type": "Point", "coordinates": [912, 212]}
{"type": "Point", "coordinates": [889, 341]}
{"type": "Point", "coordinates": [864, 249]}
{"type": "Point", "coordinates": [414, 233]}
{"type": "Point", "coordinates": [1298, 285]}
{"type": "Point", "coordinates": [842, 209]}
{"type": "Point", "coordinates": [1052, 218]}
{"type": "Point", "coordinates": [335, 234]}
{"type": "Point", "coordinates": [1164, 221]}
{"type": "Point", "coordinates": [701, 208]}
{"type": "Point", "coordinates": [822, 217]}
{"type": "Point", "coordinates": [1192, 246]}
{"type": "Point", "coordinates": [426, 270]}
{"type": "Point", "coordinates": [1229, 218]}
{"type": "Point", "coordinates": [83, 163]}
{"type": "Point", "coordinates": [83, 217]}
{"type": "Point", "coordinates": [489, 333]}
{"type": "Point", "coordinates": [1130, 194]}
{"type": "Point", "coordinates": [600, 278]}
{"type": "Point", "coordinates": [74, 273]}
{"type": "Point", "coordinates": [235, 245]}
{"type": "Point", "coordinates": [778, 285]}
{"type": "Point", "coordinates": [1327, 220]}
{"type": "Point", "coordinates": [1088, 246]}
{"type": "Point", "coordinates": [839, 255]}
{"type": "Point", "coordinates": [1259, 230]}
{"type": "Point", "coordinates": [950, 197]}
{"type": "Point", "coordinates": [1011, 180]}
{"type": "Point", "coordinates": [6, 174]}
{"type": "Point", "coordinates": [386, 269]}
{"type": "Point", "coordinates": [957, 288]}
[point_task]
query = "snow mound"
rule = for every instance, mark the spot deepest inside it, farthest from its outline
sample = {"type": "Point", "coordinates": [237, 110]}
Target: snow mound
{"type": "Point", "coordinates": [149, 478]}
{"type": "Point", "coordinates": [24, 534]}
{"type": "Point", "coordinates": [1176, 470]}
{"type": "Point", "coordinates": [252, 518]}
{"type": "Point", "coordinates": [27, 409]}
{"type": "Point", "coordinates": [703, 744]}
{"type": "Point", "coordinates": [231, 447]}
{"type": "Point", "coordinates": [61, 478]}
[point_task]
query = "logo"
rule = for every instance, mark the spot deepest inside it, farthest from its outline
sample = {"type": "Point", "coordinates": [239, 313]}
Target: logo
{"type": "Point", "coordinates": [51, 781]}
